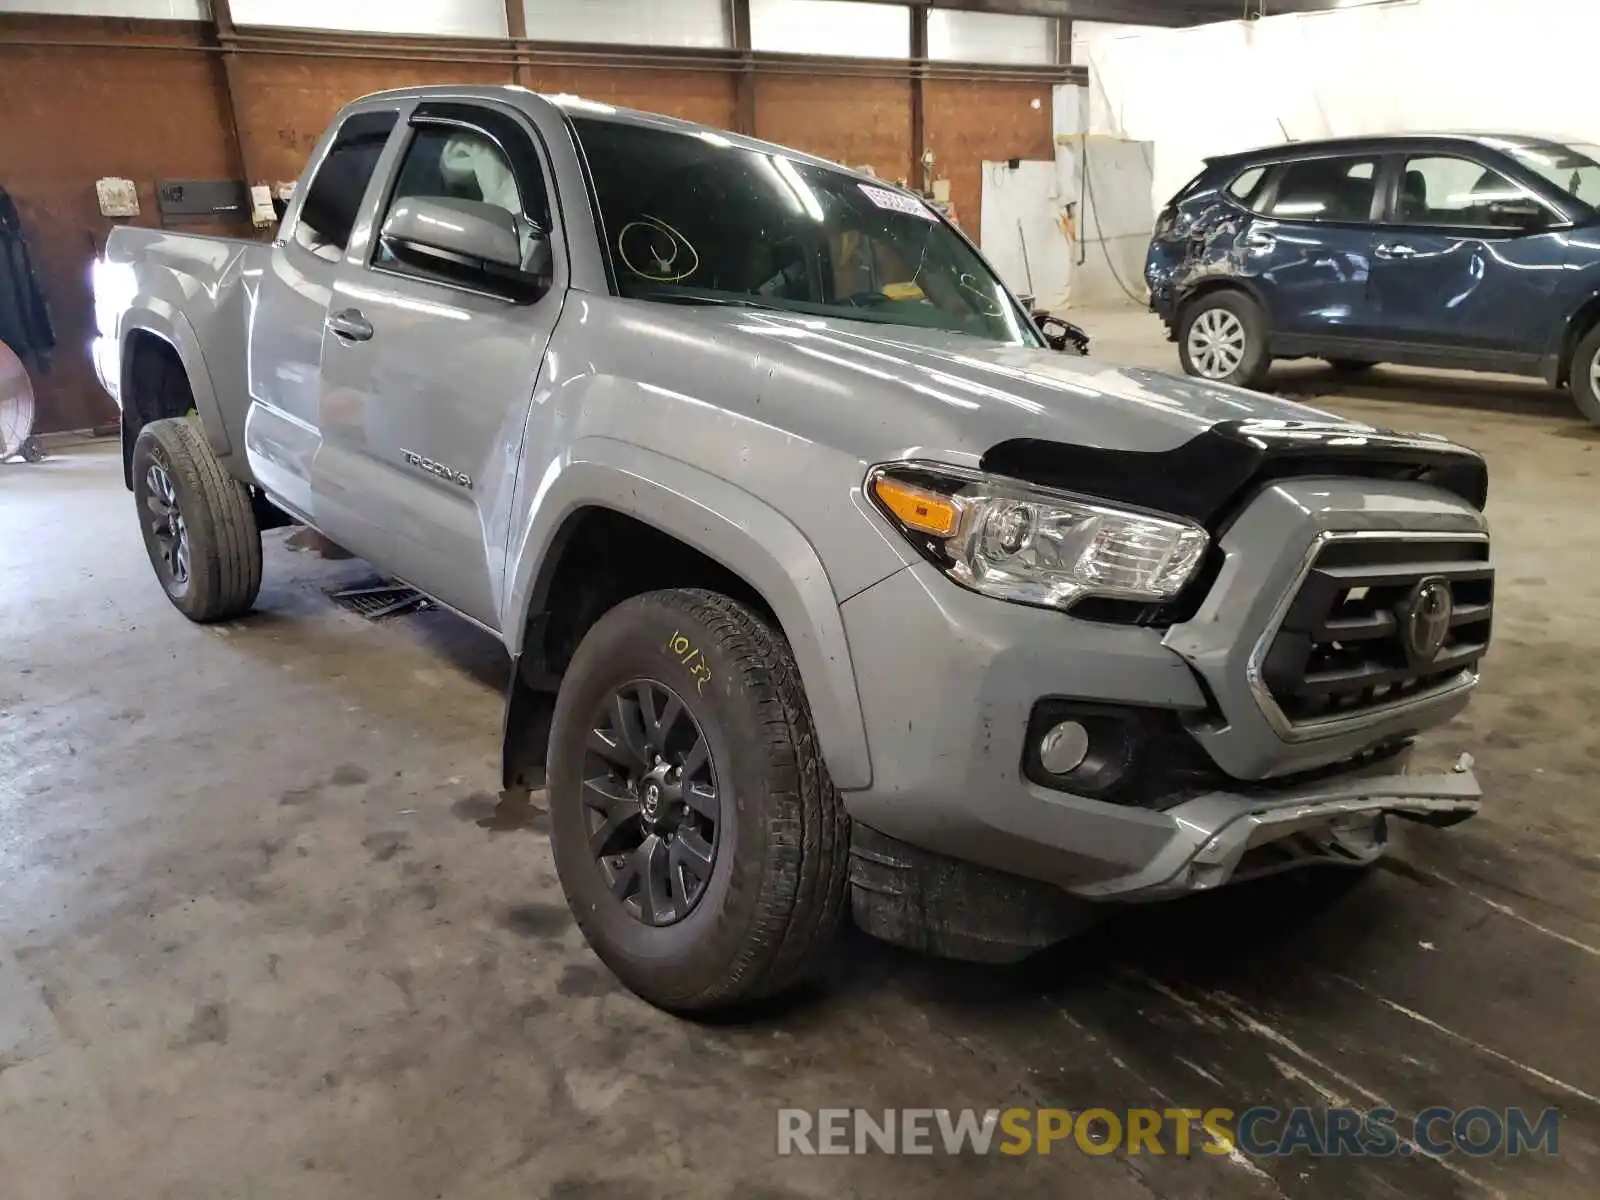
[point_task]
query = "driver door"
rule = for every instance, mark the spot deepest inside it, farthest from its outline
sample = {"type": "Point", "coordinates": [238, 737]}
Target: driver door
{"type": "Point", "coordinates": [427, 381]}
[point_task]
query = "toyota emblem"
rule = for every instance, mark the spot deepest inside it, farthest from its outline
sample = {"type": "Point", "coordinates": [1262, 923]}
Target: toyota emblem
{"type": "Point", "coordinates": [1427, 620]}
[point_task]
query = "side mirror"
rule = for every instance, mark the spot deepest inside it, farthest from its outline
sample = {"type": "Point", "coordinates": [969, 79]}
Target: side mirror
{"type": "Point", "coordinates": [466, 240]}
{"type": "Point", "coordinates": [1061, 335]}
{"type": "Point", "coordinates": [1526, 215]}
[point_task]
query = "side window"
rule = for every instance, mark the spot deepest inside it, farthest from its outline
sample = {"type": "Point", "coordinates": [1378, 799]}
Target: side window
{"type": "Point", "coordinates": [1246, 186]}
{"type": "Point", "coordinates": [334, 199]}
{"type": "Point", "coordinates": [1439, 189]}
{"type": "Point", "coordinates": [1326, 189]}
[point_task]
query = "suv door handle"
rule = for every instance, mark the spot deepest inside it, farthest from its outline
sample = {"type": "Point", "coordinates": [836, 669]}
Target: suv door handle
{"type": "Point", "coordinates": [350, 325]}
{"type": "Point", "coordinates": [1260, 241]}
{"type": "Point", "coordinates": [1394, 250]}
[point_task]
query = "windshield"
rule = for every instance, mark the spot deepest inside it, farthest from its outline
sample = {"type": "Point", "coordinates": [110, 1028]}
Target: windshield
{"type": "Point", "coordinates": [694, 219]}
{"type": "Point", "coordinates": [1573, 167]}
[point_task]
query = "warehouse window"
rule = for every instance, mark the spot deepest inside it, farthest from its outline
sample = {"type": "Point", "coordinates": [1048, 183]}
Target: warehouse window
{"type": "Point", "coordinates": [837, 27]}
{"type": "Point", "coordinates": [978, 37]}
{"type": "Point", "coordinates": [638, 22]}
{"type": "Point", "coordinates": [1326, 189]}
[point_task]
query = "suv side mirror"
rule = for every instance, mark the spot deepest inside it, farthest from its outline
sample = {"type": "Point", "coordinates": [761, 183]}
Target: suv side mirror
{"type": "Point", "coordinates": [1060, 335]}
{"type": "Point", "coordinates": [466, 240]}
{"type": "Point", "coordinates": [1527, 215]}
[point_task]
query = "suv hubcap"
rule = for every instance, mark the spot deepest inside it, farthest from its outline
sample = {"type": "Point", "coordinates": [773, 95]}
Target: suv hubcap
{"type": "Point", "coordinates": [1216, 343]}
{"type": "Point", "coordinates": [650, 800]}
{"type": "Point", "coordinates": [1594, 374]}
{"type": "Point", "coordinates": [167, 526]}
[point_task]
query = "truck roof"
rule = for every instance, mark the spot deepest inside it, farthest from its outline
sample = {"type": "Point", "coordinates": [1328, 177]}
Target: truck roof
{"type": "Point", "coordinates": [578, 106]}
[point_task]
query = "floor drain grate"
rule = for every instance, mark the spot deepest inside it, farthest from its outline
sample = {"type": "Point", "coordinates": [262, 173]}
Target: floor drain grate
{"type": "Point", "coordinates": [378, 598]}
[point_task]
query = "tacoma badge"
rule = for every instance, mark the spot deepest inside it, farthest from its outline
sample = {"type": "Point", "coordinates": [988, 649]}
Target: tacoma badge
{"type": "Point", "coordinates": [450, 474]}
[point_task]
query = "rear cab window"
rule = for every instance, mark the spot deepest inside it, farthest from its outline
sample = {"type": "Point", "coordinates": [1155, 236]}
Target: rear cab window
{"type": "Point", "coordinates": [1246, 187]}
{"type": "Point", "coordinates": [333, 198]}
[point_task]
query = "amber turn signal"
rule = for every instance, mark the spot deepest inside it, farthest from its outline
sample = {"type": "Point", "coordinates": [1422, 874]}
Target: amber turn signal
{"type": "Point", "coordinates": [918, 508]}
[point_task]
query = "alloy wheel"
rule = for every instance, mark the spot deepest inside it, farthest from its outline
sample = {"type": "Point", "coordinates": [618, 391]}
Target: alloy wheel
{"type": "Point", "coordinates": [1216, 343]}
{"type": "Point", "coordinates": [651, 805]}
{"type": "Point", "coordinates": [1594, 374]}
{"type": "Point", "coordinates": [167, 526]}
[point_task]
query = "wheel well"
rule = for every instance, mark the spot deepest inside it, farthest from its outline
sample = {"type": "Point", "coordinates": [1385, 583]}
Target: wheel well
{"type": "Point", "coordinates": [1578, 328]}
{"type": "Point", "coordinates": [598, 559]}
{"type": "Point", "coordinates": [1210, 287]}
{"type": "Point", "coordinates": [155, 386]}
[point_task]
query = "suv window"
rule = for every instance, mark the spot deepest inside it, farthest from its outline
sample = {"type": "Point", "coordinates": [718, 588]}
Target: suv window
{"type": "Point", "coordinates": [1246, 186]}
{"type": "Point", "coordinates": [334, 199]}
{"type": "Point", "coordinates": [1326, 189]}
{"type": "Point", "coordinates": [1440, 189]}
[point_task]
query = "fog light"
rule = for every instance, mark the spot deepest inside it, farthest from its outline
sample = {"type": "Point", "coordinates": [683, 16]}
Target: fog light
{"type": "Point", "coordinates": [1064, 748]}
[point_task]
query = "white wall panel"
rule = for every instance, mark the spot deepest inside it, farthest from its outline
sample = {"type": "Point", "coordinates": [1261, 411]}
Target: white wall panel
{"type": "Point", "coordinates": [173, 10]}
{"type": "Point", "coordinates": [639, 22]}
{"type": "Point", "coordinates": [955, 36]}
{"type": "Point", "coordinates": [830, 27]}
{"type": "Point", "coordinates": [439, 18]}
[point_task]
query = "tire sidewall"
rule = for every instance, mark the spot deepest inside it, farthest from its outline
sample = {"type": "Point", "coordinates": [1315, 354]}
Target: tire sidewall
{"type": "Point", "coordinates": [161, 445]}
{"type": "Point", "coordinates": [1253, 366]}
{"type": "Point", "coordinates": [678, 962]}
{"type": "Point", "coordinates": [1581, 381]}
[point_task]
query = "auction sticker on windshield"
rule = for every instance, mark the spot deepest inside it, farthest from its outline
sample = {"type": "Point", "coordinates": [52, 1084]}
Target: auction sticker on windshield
{"type": "Point", "coordinates": [895, 202]}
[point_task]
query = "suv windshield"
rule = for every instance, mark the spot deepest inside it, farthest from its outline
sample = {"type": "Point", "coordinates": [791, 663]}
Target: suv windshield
{"type": "Point", "coordinates": [1572, 167]}
{"type": "Point", "coordinates": [695, 219]}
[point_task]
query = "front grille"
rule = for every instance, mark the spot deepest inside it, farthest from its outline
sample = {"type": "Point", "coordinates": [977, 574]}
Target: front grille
{"type": "Point", "coordinates": [1355, 637]}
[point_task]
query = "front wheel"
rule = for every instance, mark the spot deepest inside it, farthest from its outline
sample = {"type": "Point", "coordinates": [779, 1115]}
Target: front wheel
{"type": "Point", "coordinates": [199, 527]}
{"type": "Point", "coordinates": [1585, 376]}
{"type": "Point", "coordinates": [1223, 337]}
{"type": "Point", "coordinates": [701, 846]}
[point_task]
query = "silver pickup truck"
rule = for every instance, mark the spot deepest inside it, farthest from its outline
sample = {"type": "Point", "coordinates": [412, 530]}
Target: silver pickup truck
{"type": "Point", "coordinates": [828, 578]}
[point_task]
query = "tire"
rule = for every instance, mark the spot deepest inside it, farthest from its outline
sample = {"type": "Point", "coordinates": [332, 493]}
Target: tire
{"type": "Point", "coordinates": [216, 523]}
{"type": "Point", "coordinates": [765, 912]}
{"type": "Point", "coordinates": [1220, 316]}
{"type": "Point", "coordinates": [1350, 366]}
{"type": "Point", "coordinates": [1584, 375]}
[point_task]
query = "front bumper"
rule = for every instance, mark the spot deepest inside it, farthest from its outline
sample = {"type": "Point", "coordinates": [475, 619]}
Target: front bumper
{"type": "Point", "coordinates": [948, 680]}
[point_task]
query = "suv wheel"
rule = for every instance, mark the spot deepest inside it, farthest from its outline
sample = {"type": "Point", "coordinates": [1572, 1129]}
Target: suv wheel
{"type": "Point", "coordinates": [1585, 375]}
{"type": "Point", "coordinates": [701, 846]}
{"type": "Point", "coordinates": [1223, 338]}
{"type": "Point", "coordinates": [199, 527]}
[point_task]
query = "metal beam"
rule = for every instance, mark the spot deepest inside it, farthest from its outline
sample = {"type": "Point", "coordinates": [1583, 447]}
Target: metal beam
{"type": "Point", "coordinates": [1134, 12]}
{"type": "Point", "coordinates": [744, 81]}
{"type": "Point", "coordinates": [919, 130]}
{"type": "Point", "coordinates": [517, 31]}
{"type": "Point", "coordinates": [222, 27]}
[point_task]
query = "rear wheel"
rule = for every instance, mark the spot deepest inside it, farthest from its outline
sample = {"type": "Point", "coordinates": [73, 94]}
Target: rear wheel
{"type": "Point", "coordinates": [1223, 337]}
{"type": "Point", "coordinates": [1584, 377]}
{"type": "Point", "coordinates": [701, 846]}
{"type": "Point", "coordinates": [198, 524]}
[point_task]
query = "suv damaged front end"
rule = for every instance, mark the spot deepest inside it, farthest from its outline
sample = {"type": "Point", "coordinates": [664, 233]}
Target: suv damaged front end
{"type": "Point", "coordinates": [1214, 670]}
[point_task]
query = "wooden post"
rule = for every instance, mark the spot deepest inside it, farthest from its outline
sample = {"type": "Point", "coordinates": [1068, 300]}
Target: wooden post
{"type": "Point", "coordinates": [222, 26]}
{"type": "Point", "coordinates": [744, 85]}
{"type": "Point", "coordinates": [919, 71]}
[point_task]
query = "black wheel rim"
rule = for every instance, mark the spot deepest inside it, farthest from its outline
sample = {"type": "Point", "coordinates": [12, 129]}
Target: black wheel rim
{"type": "Point", "coordinates": [650, 801]}
{"type": "Point", "coordinates": [169, 533]}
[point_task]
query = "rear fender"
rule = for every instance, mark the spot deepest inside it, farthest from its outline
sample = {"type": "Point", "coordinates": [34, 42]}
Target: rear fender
{"type": "Point", "coordinates": [153, 315]}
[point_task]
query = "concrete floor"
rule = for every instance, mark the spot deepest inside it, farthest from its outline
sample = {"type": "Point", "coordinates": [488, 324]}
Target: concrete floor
{"type": "Point", "coordinates": [265, 932]}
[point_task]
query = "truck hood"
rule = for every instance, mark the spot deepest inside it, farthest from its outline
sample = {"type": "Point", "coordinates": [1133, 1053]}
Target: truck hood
{"type": "Point", "coordinates": [1058, 419]}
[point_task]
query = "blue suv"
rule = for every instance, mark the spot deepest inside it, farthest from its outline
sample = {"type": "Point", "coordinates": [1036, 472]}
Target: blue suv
{"type": "Point", "coordinates": [1471, 251]}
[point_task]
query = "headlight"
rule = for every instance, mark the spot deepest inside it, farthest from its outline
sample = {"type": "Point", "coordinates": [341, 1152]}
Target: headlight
{"type": "Point", "coordinates": [1032, 545]}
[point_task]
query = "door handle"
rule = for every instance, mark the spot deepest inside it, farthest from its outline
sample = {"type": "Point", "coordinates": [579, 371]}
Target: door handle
{"type": "Point", "coordinates": [1260, 241]}
{"type": "Point", "coordinates": [350, 325]}
{"type": "Point", "coordinates": [1394, 250]}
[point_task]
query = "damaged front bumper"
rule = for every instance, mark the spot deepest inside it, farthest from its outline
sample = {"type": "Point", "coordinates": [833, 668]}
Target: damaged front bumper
{"type": "Point", "coordinates": [1221, 837]}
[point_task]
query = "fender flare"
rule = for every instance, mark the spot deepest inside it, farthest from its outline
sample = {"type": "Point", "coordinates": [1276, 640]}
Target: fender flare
{"type": "Point", "coordinates": [734, 528]}
{"type": "Point", "coordinates": [160, 319]}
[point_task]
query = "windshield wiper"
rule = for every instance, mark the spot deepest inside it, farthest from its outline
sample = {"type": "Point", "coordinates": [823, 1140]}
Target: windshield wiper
{"type": "Point", "coordinates": [666, 297]}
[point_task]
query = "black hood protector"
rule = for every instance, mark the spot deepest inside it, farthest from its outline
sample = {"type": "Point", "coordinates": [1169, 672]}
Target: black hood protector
{"type": "Point", "coordinates": [1208, 478]}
